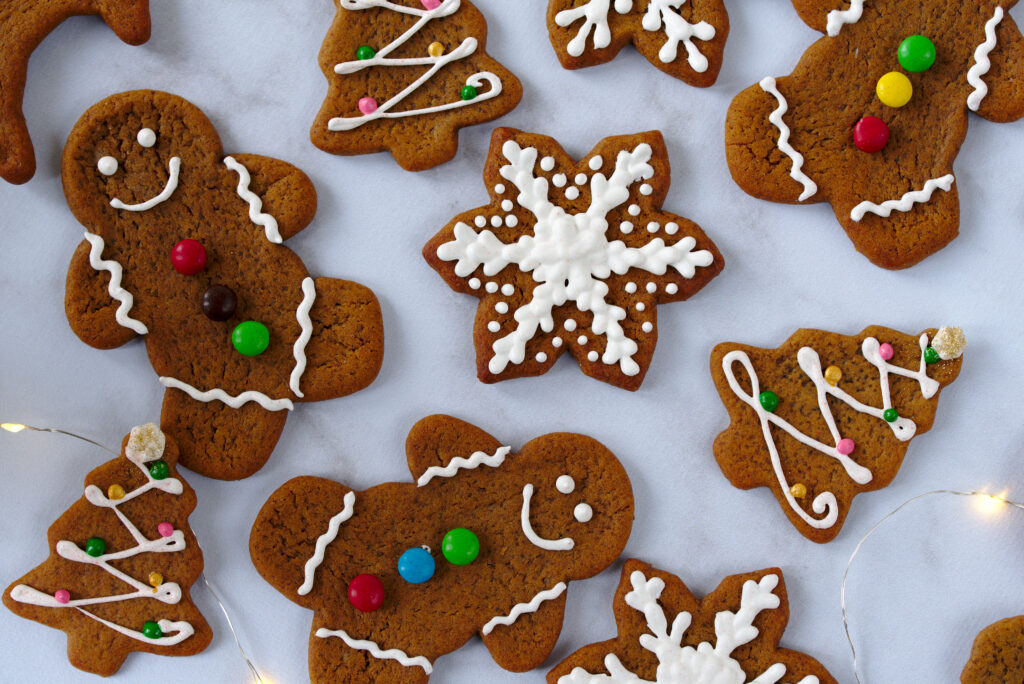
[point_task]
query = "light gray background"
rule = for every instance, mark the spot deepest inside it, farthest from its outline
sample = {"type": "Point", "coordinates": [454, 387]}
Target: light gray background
{"type": "Point", "coordinates": [926, 584]}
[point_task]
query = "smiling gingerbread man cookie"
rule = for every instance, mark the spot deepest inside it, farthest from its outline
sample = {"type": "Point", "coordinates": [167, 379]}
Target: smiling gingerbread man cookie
{"type": "Point", "coordinates": [183, 246]}
{"type": "Point", "coordinates": [485, 542]}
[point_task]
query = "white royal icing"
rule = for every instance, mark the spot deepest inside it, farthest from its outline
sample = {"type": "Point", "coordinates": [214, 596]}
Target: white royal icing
{"type": "Point", "coordinates": [173, 169]}
{"type": "Point", "coordinates": [905, 203]}
{"type": "Point", "coordinates": [565, 484]}
{"type": "Point", "coordinates": [107, 165]}
{"type": "Point", "coordinates": [521, 608]}
{"type": "Point", "coordinates": [114, 288]}
{"type": "Point", "coordinates": [838, 18]}
{"type": "Point", "coordinates": [563, 544]}
{"type": "Point", "coordinates": [810, 363]}
{"type": "Point", "coordinates": [981, 62]}
{"type": "Point", "coordinates": [234, 402]}
{"type": "Point", "coordinates": [569, 255]}
{"type": "Point", "coordinates": [465, 49]}
{"type": "Point", "coordinates": [325, 540]}
{"type": "Point", "coordinates": [810, 187]}
{"type": "Point", "coordinates": [145, 444]}
{"type": "Point", "coordinates": [707, 663]}
{"type": "Point", "coordinates": [374, 650]}
{"type": "Point", "coordinates": [459, 463]}
{"type": "Point", "coordinates": [146, 137]}
{"type": "Point", "coordinates": [299, 348]}
{"type": "Point", "coordinates": [583, 513]}
{"type": "Point", "coordinates": [256, 214]}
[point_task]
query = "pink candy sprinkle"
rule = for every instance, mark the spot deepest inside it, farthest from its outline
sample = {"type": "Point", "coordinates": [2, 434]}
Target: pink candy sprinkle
{"type": "Point", "coordinates": [166, 529]}
{"type": "Point", "coordinates": [845, 446]}
{"type": "Point", "coordinates": [367, 105]}
{"type": "Point", "coordinates": [885, 350]}
{"type": "Point", "coordinates": [431, 4]}
{"type": "Point", "coordinates": [62, 596]}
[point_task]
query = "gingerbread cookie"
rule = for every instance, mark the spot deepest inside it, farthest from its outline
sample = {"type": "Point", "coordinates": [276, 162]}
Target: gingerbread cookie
{"type": "Point", "coordinates": [572, 256]}
{"type": "Point", "coordinates": [485, 542]}
{"type": "Point", "coordinates": [23, 26]}
{"type": "Point", "coordinates": [184, 246]}
{"type": "Point", "coordinates": [122, 560]}
{"type": "Point", "coordinates": [731, 635]}
{"type": "Point", "coordinates": [405, 76]}
{"type": "Point", "coordinates": [825, 416]}
{"type": "Point", "coordinates": [997, 656]}
{"type": "Point", "coordinates": [872, 117]}
{"type": "Point", "coordinates": [683, 38]}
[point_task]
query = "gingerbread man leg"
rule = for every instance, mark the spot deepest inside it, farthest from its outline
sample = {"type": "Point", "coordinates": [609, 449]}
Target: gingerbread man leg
{"type": "Point", "coordinates": [331, 660]}
{"type": "Point", "coordinates": [528, 642]}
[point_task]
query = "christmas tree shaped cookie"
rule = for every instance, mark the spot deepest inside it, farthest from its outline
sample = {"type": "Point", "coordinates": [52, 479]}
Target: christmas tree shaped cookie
{"type": "Point", "coordinates": [873, 116]}
{"type": "Point", "coordinates": [572, 256]}
{"type": "Point", "coordinates": [184, 246]}
{"type": "Point", "coordinates": [683, 38]}
{"type": "Point", "coordinates": [405, 76]}
{"type": "Point", "coordinates": [484, 542]}
{"type": "Point", "coordinates": [121, 562]}
{"type": "Point", "coordinates": [668, 636]}
{"type": "Point", "coordinates": [825, 416]}
{"type": "Point", "coordinates": [997, 656]}
{"type": "Point", "coordinates": [23, 26]}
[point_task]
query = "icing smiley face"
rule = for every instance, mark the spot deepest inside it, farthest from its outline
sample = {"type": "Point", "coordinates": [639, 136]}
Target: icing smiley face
{"type": "Point", "coordinates": [583, 513]}
{"type": "Point", "coordinates": [108, 166]}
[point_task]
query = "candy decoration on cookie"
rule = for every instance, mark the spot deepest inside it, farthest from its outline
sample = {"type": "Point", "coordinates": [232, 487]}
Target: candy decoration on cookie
{"type": "Point", "coordinates": [490, 558]}
{"type": "Point", "coordinates": [889, 70]}
{"type": "Point", "coordinates": [997, 656]}
{"type": "Point", "coordinates": [157, 615]}
{"type": "Point", "coordinates": [589, 32]}
{"type": "Point", "coordinates": [558, 267]}
{"type": "Point", "coordinates": [830, 440]}
{"type": "Point", "coordinates": [417, 114]}
{"type": "Point", "coordinates": [746, 616]}
{"type": "Point", "coordinates": [183, 246]}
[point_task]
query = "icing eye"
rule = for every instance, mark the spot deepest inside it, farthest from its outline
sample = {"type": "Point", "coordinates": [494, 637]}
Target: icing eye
{"type": "Point", "coordinates": [146, 137]}
{"type": "Point", "coordinates": [107, 166]}
{"type": "Point", "coordinates": [565, 484]}
{"type": "Point", "coordinates": [583, 513]}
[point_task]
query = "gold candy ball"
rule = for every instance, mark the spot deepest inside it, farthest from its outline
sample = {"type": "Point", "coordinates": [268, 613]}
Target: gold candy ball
{"type": "Point", "coordinates": [435, 49]}
{"type": "Point", "coordinates": [155, 579]}
{"type": "Point", "coordinates": [798, 490]}
{"type": "Point", "coordinates": [115, 492]}
{"type": "Point", "coordinates": [833, 375]}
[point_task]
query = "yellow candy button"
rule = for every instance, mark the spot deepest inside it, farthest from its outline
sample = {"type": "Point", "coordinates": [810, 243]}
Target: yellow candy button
{"type": "Point", "coordinates": [894, 89]}
{"type": "Point", "coordinates": [435, 49]}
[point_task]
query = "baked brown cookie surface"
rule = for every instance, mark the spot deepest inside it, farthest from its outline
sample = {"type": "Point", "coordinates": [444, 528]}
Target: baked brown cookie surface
{"type": "Point", "coordinates": [404, 76]}
{"type": "Point", "coordinates": [485, 542]}
{"type": "Point", "coordinates": [572, 256]}
{"type": "Point", "coordinates": [683, 38]}
{"type": "Point", "coordinates": [826, 416]}
{"type": "Point", "coordinates": [122, 560]}
{"type": "Point", "coordinates": [183, 246]}
{"type": "Point", "coordinates": [668, 636]}
{"type": "Point", "coordinates": [872, 117]}
{"type": "Point", "coordinates": [23, 26]}
{"type": "Point", "coordinates": [997, 656]}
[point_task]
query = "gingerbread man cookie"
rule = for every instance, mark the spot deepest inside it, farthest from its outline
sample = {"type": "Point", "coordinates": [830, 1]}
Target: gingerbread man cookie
{"type": "Point", "coordinates": [997, 656]}
{"type": "Point", "coordinates": [121, 562]}
{"type": "Point", "coordinates": [183, 246]}
{"type": "Point", "coordinates": [485, 542]}
{"type": "Point", "coordinates": [572, 256]}
{"type": "Point", "coordinates": [23, 26]}
{"type": "Point", "coordinates": [873, 116]}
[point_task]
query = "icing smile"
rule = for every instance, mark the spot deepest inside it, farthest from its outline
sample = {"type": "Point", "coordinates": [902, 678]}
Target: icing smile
{"type": "Point", "coordinates": [563, 544]}
{"type": "Point", "coordinates": [173, 168]}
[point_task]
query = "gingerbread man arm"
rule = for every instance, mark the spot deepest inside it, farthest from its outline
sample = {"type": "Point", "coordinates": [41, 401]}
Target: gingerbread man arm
{"type": "Point", "coordinates": [129, 19]}
{"type": "Point", "coordinates": [286, 192]}
{"type": "Point", "coordinates": [1004, 100]}
{"type": "Point", "coordinates": [436, 440]}
{"type": "Point", "coordinates": [815, 12]}
{"type": "Point", "coordinates": [90, 309]}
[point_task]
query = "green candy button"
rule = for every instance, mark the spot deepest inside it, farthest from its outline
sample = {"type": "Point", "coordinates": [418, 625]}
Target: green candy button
{"type": "Point", "coordinates": [916, 54]}
{"type": "Point", "coordinates": [95, 547]}
{"type": "Point", "coordinates": [460, 546]}
{"type": "Point", "coordinates": [250, 338]}
{"type": "Point", "coordinates": [891, 415]}
{"type": "Point", "coordinates": [158, 470]}
{"type": "Point", "coordinates": [931, 356]}
{"type": "Point", "coordinates": [468, 93]}
{"type": "Point", "coordinates": [769, 401]}
{"type": "Point", "coordinates": [152, 630]}
{"type": "Point", "coordinates": [365, 52]}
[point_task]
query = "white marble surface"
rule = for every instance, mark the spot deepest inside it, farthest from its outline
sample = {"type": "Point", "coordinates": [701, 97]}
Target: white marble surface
{"type": "Point", "coordinates": [925, 586]}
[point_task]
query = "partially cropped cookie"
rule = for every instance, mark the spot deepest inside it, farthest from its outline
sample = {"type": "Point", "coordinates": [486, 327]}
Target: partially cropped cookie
{"type": "Point", "coordinates": [668, 636]}
{"type": "Point", "coordinates": [122, 560]}
{"type": "Point", "coordinates": [484, 541]}
{"type": "Point", "coordinates": [826, 416]}
{"type": "Point", "coordinates": [572, 256]}
{"type": "Point", "coordinates": [683, 38]}
{"type": "Point", "coordinates": [997, 656]}
{"type": "Point", "coordinates": [872, 117]}
{"type": "Point", "coordinates": [404, 76]}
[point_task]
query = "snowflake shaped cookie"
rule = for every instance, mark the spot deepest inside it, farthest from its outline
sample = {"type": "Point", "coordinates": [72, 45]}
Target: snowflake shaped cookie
{"type": "Point", "coordinates": [572, 257]}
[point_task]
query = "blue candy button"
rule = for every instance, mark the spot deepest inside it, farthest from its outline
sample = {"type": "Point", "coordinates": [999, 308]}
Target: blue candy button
{"type": "Point", "coordinates": [416, 565]}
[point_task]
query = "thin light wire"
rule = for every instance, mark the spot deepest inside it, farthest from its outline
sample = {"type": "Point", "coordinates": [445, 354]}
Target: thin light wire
{"type": "Point", "coordinates": [231, 626]}
{"type": "Point", "coordinates": [21, 426]}
{"type": "Point", "coordinates": [892, 513]}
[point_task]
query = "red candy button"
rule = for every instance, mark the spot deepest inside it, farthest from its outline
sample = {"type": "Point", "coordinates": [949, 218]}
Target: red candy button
{"type": "Point", "coordinates": [870, 134]}
{"type": "Point", "coordinates": [366, 593]}
{"type": "Point", "coordinates": [188, 257]}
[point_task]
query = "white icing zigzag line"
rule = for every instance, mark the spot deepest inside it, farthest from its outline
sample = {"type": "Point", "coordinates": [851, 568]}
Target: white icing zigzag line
{"type": "Point", "coordinates": [810, 363]}
{"type": "Point", "coordinates": [563, 544]}
{"type": "Point", "coordinates": [810, 187]}
{"type": "Point", "coordinates": [374, 650]}
{"type": "Point", "coordinates": [837, 18]}
{"type": "Point", "coordinates": [520, 608]}
{"type": "Point", "coordinates": [459, 463]}
{"type": "Point", "coordinates": [324, 540]}
{"type": "Point", "coordinates": [220, 395]}
{"type": "Point", "coordinates": [981, 63]}
{"type": "Point", "coordinates": [299, 349]}
{"type": "Point", "coordinates": [465, 49]}
{"type": "Point", "coordinates": [174, 167]}
{"type": "Point", "coordinates": [114, 288]}
{"type": "Point", "coordinates": [256, 214]}
{"type": "Point", "coordinates": [905, 203]}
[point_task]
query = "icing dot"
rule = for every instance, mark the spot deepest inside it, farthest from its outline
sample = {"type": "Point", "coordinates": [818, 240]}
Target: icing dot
{"type": "Point", "coordinates": [107, 165]}
{"type": "Point", "coordinates": [640, 306]}
{"type": "Point", "coordinates": [559, 180]}
{"type": "Point", "coordinates": [592, 356]}
{"type": "Point", "coordinates": [626, 227]}
{"type": "Point", "coordinates": [556, 342]}
{"type": "Point", "coordinates": [582, 339]}
{"type": "Point", "coordinates": [886, 351]}
{"type": "Point", "coordinates": [499, 188]}
{"type": "Point", "coordinates": [646, 189]}
{"type": "Point", "coordinates": [491, 287]}
{"type": "Point", "coordinates": [165, 529]}
{"type": "Point", "coordinates": [652, 287]}
{"type": "Point", "coordinates": [647, 326]}
{"type": "Point", "coordinates": [367, 105]}
{"type": "Point", "coordinates": [653, 227]}
{"type": "Point", "coordinates": [496, 221]}
{"type": "Point", "coordinates": [480, 221]}
{"type": "Point", "coordinates": [547, 163]}
{"type": "Point", "coordinates": [672, 228]}
{"type": "Point", "coordinates": [634, 210]}
{"type": "Point", "coordinates": [494, 326]}
{"type": "Point", "coordinates": [501, 307]}
{"type": "Point", "coordinates": [583, 513]}
{"type": "Point", "coordinates": [581, 179]}
{"type": "Point", "coordinates": [511, 221]}
{"type": "Point", "coordinates": [506, 205]}
{"type": "Point", "coordinates": [508, 289]}
{"type": "Point", "coordinates": [596, 162]}
{"type": "Point", "coordinates": [146, 137]}
{"type": "Point", "coordinates": [572, 193]}
{"type": "Point", "coordinates": [62, 596]}
{"type": "Point", "coordinates": [570, 324]}
{"type": "Point", "coordinates": [845, 446]}
{"type": "Point", "coordinates": [541, 357]}
{"type": "Point", "coordinates": [631, 287]}
{"type": "Point", "coordinates": [474, 283]}
{"type": "Point", "coordinates": [671, 288]}
{"type": "Point", "coordinates": [565, 484]}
